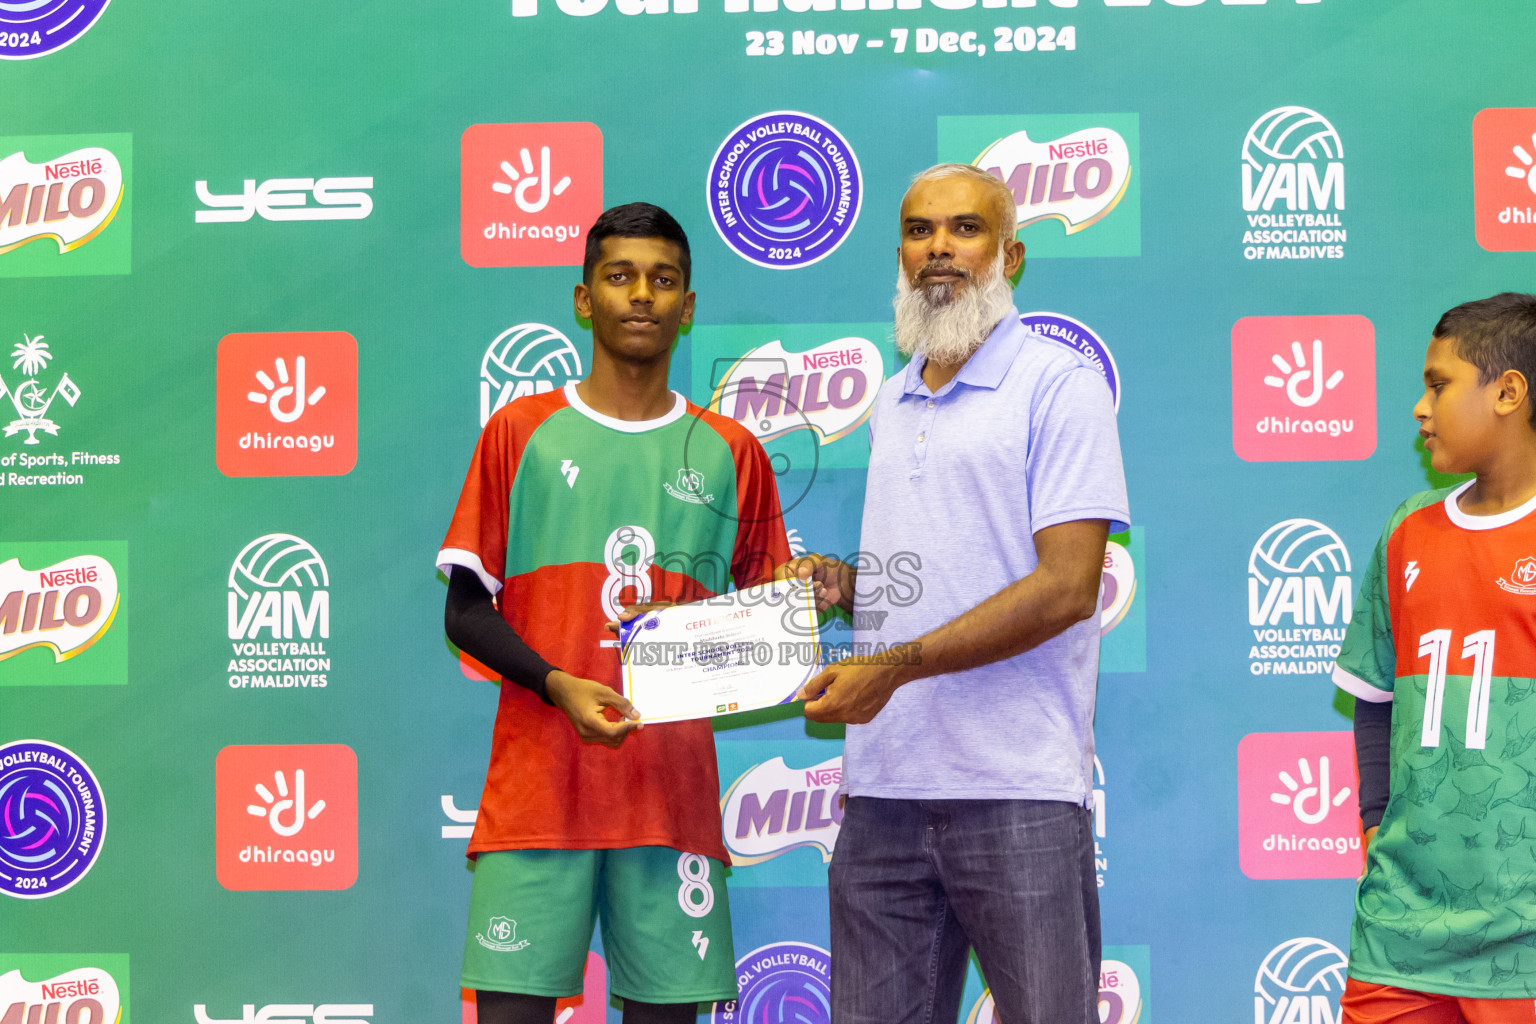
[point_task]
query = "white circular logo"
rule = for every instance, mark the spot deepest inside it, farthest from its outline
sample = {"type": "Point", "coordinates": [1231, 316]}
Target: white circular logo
{"type": "Point", "coordinates": [1298, 969]}
{"type": "Point", "coordinates": [1291, 133]}
{"type": "Point", "coordinates": [1297, 546]}
{"type": "Point", "coordinates": [277, 561]}
{"type": "Point", "coordinates": [527, 359]}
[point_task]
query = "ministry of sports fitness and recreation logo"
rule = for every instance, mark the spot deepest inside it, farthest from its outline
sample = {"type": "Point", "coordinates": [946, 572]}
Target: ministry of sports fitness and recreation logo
{"type": "Point", "coordinates": [287, 199]}
{"type": "Point", "coordinates": [279, 615]}
{"type": "Point", "coordinates": [1300, 597]}
{"type": "Point", "coordinates": [64, 204]}
{"type": "Point", "coordinates": [1300, 982]}
{"type": "Point", "coordinates": [1303, 388]}
{"type": "Point", "coordinates": [784, 190]}
{"type": "Point", "coordinates": [528, 193]}
{"type": "Point", "coordinates": [286, 404]}
{"type": "Point", "coordinates": [772, 808]}
{"type": "Point", "coordinates": [36, 396]}
{"type": "Point", "coordinates": [783, 981]}
{"type": "Point", "coordinates": [1293, 187]}
{"type": "Point", "coordinates": [1504, 178]}
{"type": "Point", "coordinates": [71, 988]}
{"type": "Point", "coordinates": [52, 819]}
{"type": "Point", "coordinates": [801, 389]}
{"type": "Point", "coordinates": [528, 359]}
{"type": "Point", "coordinates": [1298, 815]}
{"type": "Point", "coordinates": [286, 817]}
{"type": "Point", "coordinates": [34, 28]}
{"type": "Point", "coordinates": [1073, 177]}
{"type": "Point", "coordinates": [1080, 338]}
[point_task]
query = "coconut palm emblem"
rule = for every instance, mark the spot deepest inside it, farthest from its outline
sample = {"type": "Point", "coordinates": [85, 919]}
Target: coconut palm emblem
{"type": "Point", "coordinates": [31, 399]}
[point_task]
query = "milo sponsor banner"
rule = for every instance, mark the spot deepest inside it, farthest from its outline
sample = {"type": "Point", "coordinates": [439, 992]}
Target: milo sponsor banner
{"type": "Point", "coordinates": [804, 390]}
{"type": "Point", "coordinates": [1125, 989]}
{"type": "Point", "coordinates": [1123, 604]}
{"type": "Point", "coordinates": [1074, 177]}
{"type": "Point", "coordinates": [63, 614]}
{"type": "Point", "coordinates": [64, 988]}
{"type": "Point", "coordinates": [65, 205]}
{"type": "Point", "coordinates": [779, 809]}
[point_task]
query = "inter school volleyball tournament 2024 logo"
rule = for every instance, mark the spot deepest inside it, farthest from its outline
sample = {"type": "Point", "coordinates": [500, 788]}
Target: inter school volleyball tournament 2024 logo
{"type": "Point", "coordinates": [61, 614]}
{"type": "Point", "coordinates": [64, 205]}
{"type": "Point", "coordinates": [279, 615]}
{"type": "Point", "coordinates": [1298, 815]}
{"type": "Point", "coordinates": [69, 988]}
{"type": "Point", "coordinates": [528, 359]}
{"type": "Point", "coordinates": [784, 190]}
{"type": "Point", "coordinates": [52, 819]}
{"type": "Point", "coordinates": [35, 28]}
{"type": "Point", "coordinates": [1073, 177]}
{"type": "Point", "coordinates": [781, 983]}
{"type": "Point", "coordinates": [1504, 178]}
{"type": "Point", "coordinates": [1300, 982]}
{"type": "Point", "coordinates": [1293, 187]}
{"type": "Point", "coordinates": [1300, 597]}
{"type": "Point", "coordinates": [528, 193]}
{"type": "Point", "coordinates": [286, 404]}
{"type": "Point", "coordinates": [1303, 388]}
{"type": "Point", "coordinates": [1080, 338]}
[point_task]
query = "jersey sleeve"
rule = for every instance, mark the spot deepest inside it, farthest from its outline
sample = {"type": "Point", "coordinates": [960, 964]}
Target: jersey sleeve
{"type": "Point", "coordinates": [477, 536]}
{"type": "Point", "coordinates": [1074, 469]}
{"type": "Point", "coordinates": [761, 545]}
{"type": "Point", "coordinates": [1367, 662]}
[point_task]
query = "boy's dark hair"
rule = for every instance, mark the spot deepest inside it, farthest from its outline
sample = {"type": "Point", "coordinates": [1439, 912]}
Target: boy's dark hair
{"type": "Point", "coordinates": [635, 220]}
{"type": "Point", "coordinates": [1494, 335]}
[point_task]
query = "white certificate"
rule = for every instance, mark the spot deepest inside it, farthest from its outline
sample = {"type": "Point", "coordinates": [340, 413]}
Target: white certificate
{"type": "Point", "coordinates": [737, 652]}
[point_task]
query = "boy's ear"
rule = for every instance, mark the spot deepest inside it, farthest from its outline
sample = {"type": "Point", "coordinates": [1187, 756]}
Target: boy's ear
{"type": "Point", "coordinates": [582, 300]}
{"type": "Point", "coordinates": [1514, 392]}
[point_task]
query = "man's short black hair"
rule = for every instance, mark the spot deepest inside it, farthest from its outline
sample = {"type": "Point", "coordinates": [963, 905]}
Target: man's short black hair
{"type": "Point", "coordinates": [635, 220]}
{"type": "Point", "coordinates": [1494, 335]}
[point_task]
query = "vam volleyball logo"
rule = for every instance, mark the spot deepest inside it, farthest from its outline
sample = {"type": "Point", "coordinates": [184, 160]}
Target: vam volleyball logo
{"type": "Point", "coordinates": [64, 202]}
{"type": "Point", "coordinates": [772, 808]}
{"type": "Point", "coordinates": [1504, 178]}
{"type": "Point", "coordinates": [1300, 597]}
{"type": "Point", "coordinates": [781, 983]}
{"type": "Point", "coordinates": [784, 190]}
{"type": "Point", "coordinates": [52, 819]}
{"type": "Point", "coordinates": [40, 27]}
{"type": "Point", "coordinates": [72, 989]}
{"type": "Point", "coordinates": [1300, 982]}
{"type": "Point", "coordinates": [1080, 338]}
{"type": "Point", "coordinates": [1293, 187]}
{"type": "Point", "coordinates": [529, 359]}
{"type": "Point", "coordinates": [1074, 177]}
{"type": "Point", "coordinates": [279, 607]}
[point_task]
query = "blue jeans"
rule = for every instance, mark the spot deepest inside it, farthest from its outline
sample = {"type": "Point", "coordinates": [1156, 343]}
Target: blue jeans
{"type": "Point", "coordinates": [915, 883]}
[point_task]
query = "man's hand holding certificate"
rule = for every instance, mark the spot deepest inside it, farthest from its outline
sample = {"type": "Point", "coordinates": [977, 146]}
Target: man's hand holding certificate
{"type": "Point", "coordinates": [736, 652]}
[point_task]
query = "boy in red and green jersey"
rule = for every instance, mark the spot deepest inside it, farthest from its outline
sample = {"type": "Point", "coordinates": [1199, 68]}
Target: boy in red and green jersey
{"type": "Point", "coordinates": [1441, 656]}
{"type": "Point", "coordinates": [580, 505]}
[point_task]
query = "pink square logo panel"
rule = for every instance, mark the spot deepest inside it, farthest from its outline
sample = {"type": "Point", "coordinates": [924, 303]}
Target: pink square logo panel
{"type": "Point", "coordinates": [286, 404]}
{"type": "Point", "coordinates": [1303, 388]}
{"type": "Point", "coordinates": [528, 193]}
{"type": "Point", "coordinates": [286, 817]}
{"type": "Point", "coordinates": [1298, 805]}
{"type": "Point", "coordinates": [1504, 178]}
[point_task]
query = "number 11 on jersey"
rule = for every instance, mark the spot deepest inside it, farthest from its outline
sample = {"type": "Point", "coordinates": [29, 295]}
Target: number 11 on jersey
{"type": "Point", "coordinates": [1436, 645]}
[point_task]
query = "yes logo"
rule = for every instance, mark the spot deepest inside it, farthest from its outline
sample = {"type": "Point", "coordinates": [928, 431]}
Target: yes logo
{"type": "Point", "coordinates": [1504, 178]}
{"type": "Point", "coordinates": [286, 404]}
{"type": "Point", "coordinates": [286, 817]}
{"type": "Point", "coordinates": [528, 193]}
{"type": "Point", "coordinates": [1303, 388]}
{"type": "Point", "coordinates": [280, 199]}
{"type": "Point", "coordinates": [1298, 815]}
{"type": "Point", "coordinates": [1074, 177]}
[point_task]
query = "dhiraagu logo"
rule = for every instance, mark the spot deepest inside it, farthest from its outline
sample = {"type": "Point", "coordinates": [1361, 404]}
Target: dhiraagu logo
{"type": "Point", "coordinates": [1075, 177]}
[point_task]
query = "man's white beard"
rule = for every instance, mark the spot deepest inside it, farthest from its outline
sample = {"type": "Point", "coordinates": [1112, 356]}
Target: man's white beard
{"type": "Point", "coordinates": [946, 329]}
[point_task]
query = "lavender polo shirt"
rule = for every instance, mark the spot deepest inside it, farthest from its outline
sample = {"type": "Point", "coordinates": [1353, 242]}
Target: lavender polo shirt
{"type": "Point", "coordinates": [959, 480]}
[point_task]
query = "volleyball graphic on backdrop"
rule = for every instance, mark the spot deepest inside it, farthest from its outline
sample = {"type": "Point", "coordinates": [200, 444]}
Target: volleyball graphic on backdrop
{"type": "Point", "coordinates": [528, 359]}
{"type": "Point", "coordinates": [274, 562]}
{"type": "Point", "coordinates": [1291, 133]}
{"type": "Point", "coordinates": [1299, 970]}
{"type": "Point", "coordinates": [1297, 546]}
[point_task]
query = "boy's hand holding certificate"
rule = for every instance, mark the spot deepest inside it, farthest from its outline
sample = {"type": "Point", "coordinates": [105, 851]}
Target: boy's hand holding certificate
{"type": "Point", "coordinates": [736, 652]}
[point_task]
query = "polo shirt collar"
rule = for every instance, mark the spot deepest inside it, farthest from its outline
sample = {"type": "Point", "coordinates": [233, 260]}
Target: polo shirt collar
{"type": "Point", "coordinates": [987, 365]}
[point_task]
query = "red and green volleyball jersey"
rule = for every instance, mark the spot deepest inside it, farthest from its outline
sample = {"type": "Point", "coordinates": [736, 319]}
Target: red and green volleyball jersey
{"type": "Point", "coordinates": [1445, 628]}
{"type": "Point", "coordinates": [569, 516]}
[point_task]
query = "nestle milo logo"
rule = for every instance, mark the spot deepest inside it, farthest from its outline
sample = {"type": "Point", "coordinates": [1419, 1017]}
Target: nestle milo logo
{"type": "Point", "coordinates": [829, 389]}
{"type": "Point", "coordinates": [773, 808]}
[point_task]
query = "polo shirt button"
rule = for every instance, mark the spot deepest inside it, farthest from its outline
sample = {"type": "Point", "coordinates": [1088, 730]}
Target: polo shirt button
{"type": "Point", "coordinates": [930, 403]}
{"type": "Point", "coordinates": [922, 437]}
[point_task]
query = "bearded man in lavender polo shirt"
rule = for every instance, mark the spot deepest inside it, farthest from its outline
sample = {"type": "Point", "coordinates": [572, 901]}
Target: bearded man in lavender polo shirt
{"type": "Point", "coordinates": [995, 470]}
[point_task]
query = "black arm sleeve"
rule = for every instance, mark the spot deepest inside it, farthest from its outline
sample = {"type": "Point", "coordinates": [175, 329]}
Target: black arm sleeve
{"type": "Point", "coordinates": [1373, 742]}
{"type": "Point", "coordinates": [477, 628]}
